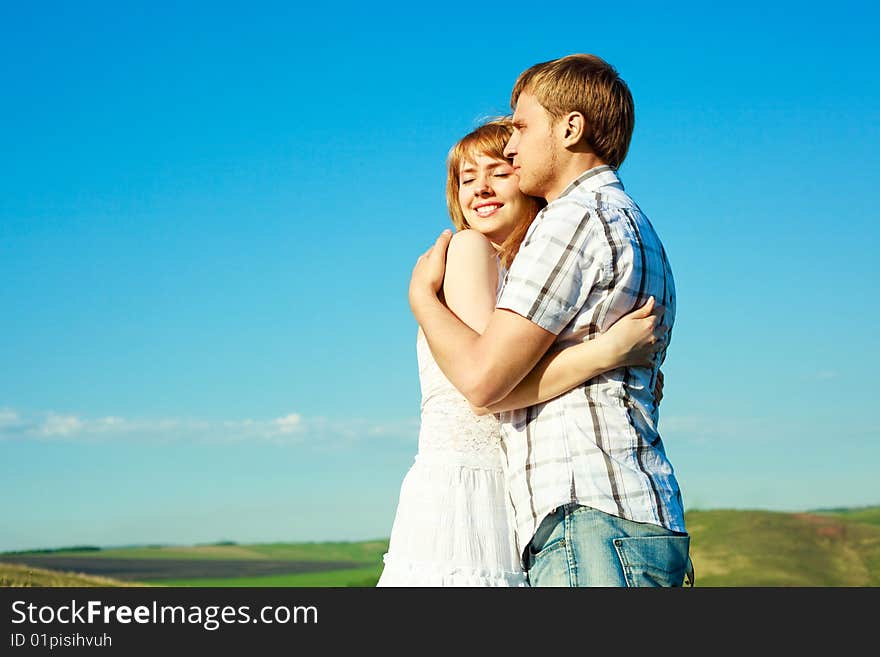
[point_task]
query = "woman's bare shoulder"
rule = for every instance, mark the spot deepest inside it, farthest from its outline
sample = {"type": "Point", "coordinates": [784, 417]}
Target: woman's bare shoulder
{"type": "Point", "coordinates": [471, 278]}
{"type": "Point", "coordinates": [469, 239]}
{"type": "Point", "coordinates": [468, 247]}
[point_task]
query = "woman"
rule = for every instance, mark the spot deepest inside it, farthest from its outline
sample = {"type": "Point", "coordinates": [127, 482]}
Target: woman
{"type": "Point", "coordinates": [452, 526]}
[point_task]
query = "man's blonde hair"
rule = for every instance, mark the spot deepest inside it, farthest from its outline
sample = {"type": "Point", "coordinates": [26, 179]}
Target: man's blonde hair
{"type": "Point", "coordinates": [488, 139]}
{"type": "Point", "coordinates": [591, 86]}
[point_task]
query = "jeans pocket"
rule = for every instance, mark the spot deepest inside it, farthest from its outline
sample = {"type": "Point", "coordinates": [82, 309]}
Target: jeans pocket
{"type": "Point", "coordinates": [549, 565]}
{"type": "Point", "coordinates": [546, 551]}
{"type": "Point", "coordinates": [539, 552]}
{"type": "Point", "coordinates": [549, 535]}
{"type": "Point", "coordinates": [653, 560]}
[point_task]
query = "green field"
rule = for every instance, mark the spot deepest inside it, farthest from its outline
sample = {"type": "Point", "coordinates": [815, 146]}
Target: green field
{"type": "Point", "coordinates": [828, 547]}
{"type": "Point", "coordinates": [328, 551]}
{"type": "Point", "coordinates": [868, 514]}
{"type": "Point", "coordinates": [331, 564]}
{"type": "Point", "coordinates": [762, 548]}
{"type": "Point", "coordinates": [18, 575]}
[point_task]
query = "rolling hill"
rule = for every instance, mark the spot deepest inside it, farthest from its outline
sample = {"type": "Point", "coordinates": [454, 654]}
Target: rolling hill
{"type": "Point", "coordinates": [729, 548]}
{"type": "Point", "coordinates": [763, 548]}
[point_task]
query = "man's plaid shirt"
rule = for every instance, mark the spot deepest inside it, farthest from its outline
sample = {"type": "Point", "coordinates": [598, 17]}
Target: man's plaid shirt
{"type": "Point", "coordinates": [590, 257]}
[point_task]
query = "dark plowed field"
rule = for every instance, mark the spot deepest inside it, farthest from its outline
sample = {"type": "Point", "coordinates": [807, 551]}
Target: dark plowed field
{"type": "Point", "coordinates": [144, 570]}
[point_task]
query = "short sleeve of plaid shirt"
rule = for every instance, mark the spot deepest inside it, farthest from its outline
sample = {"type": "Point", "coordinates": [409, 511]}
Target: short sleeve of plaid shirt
{"type": "Point", "coordinates": [557, 265]}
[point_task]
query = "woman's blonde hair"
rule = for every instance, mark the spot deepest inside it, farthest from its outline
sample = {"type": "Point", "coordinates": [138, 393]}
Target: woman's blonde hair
{"type": "Point", "coordinates": [488, 139]}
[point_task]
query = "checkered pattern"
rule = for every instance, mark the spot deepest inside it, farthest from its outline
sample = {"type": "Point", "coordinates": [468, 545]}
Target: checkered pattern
{"type": "Point", "coordinates": [590, 257]}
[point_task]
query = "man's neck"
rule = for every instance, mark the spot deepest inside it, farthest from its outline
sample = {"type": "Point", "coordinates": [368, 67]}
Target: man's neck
{"type": "Point", "coordinates": [573, 167]}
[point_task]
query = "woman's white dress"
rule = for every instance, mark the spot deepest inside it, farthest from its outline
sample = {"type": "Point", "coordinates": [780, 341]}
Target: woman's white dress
{"type": "Point", "coordinates": [453, 525]}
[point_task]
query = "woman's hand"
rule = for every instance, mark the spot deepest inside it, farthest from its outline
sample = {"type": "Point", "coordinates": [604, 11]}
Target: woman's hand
{"type": "Point", "coordinates": [427, 275]}
{"type": "Point", "coordinates": [636, 338]}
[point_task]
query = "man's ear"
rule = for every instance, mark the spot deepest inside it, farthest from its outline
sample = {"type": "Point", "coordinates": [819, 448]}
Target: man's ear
{"type": "Point", "coordinates": [573, 126]}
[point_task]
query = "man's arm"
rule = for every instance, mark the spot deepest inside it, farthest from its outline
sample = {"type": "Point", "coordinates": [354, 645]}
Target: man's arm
{"type": "Point", "coordinates": [484, 368]}
{"type": "Point", "coordinates": [632, 341]}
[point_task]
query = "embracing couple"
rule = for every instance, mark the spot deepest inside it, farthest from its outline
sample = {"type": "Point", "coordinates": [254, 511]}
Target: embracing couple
{"type": "Point", "coordinates": [543, 322]}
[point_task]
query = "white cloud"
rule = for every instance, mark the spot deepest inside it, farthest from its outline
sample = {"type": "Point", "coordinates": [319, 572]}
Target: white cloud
{"type": "Point", "coordinates": [109, 423]}
{"type": "Point", "coordinates": [290, 428]}
{"type": "Point", "coordinates": [705, 429]}
{"type": "Point", "coordinates": [289, 423]}
{"type": "Point", "coordinates": [403, 428]}
{"type": "Point", "coordinates": [60, 425]}
{"type": "Point", "coordinates": [8, 418]}
{"type": "Point", "coordinates": [681, 423]}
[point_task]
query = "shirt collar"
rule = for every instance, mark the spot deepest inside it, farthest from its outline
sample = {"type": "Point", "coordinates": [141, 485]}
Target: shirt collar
{"type": "Point", "coordinates": [593, 179]}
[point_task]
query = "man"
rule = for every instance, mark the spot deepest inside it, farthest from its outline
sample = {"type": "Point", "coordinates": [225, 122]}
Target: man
{"type": "Point", "coordinates": [595, 498]}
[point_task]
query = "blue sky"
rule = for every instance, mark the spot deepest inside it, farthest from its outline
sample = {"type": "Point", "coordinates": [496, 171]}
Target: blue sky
{"type": "Point", "coordinates": [209, 213]}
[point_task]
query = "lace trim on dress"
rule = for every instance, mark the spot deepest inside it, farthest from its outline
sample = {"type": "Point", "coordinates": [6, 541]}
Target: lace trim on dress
{"type": "Point", "coordinates": [410, 573]}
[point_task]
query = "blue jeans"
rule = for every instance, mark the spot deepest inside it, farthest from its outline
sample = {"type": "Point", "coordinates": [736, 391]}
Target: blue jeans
{"type": "Point", "coordinates": [580, 546]}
